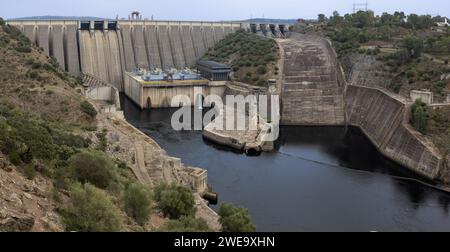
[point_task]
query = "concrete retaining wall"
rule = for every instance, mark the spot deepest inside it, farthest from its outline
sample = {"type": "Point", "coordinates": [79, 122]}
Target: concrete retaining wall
{"type": "Point", "coordinates": [383, 117]}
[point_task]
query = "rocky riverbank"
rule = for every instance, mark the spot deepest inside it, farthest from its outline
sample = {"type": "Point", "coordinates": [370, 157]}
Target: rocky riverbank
{"type": "Point", "coordinates": [151, 165]}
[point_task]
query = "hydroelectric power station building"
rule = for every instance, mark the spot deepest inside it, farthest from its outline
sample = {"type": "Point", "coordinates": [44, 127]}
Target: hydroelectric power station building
{"type": "Point", "coordinates": [214, 71]}
{"type": "Point", "coordinates": [156, 89]}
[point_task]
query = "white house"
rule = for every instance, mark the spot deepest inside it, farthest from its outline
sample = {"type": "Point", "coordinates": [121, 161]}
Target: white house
{"type": "Point", "coordinates": [443, 24]}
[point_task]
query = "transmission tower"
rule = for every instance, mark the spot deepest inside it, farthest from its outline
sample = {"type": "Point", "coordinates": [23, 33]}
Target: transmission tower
{"type": "Point", "coordinates": [360, 6]}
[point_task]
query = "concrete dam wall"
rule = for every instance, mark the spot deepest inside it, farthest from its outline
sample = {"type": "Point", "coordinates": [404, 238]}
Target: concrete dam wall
{"type": "Point", "coordinates": [105, 49]}
{"type": "Point", "coordinates": [384, 117]}
{"type": "Point", "coordinates": [315, 92]}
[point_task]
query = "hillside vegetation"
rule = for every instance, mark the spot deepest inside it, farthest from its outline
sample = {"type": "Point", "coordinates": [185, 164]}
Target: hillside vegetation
{"type": "Point", "coordinates": [414, 52]}
{"type": "Point", "coordinates": [252, 57]}
{"type": "Point", "coordinates": [49, 135]}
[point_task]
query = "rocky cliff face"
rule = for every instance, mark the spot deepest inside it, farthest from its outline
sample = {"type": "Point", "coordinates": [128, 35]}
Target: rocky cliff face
{"type": "Point", "coordinates": [26, 205]}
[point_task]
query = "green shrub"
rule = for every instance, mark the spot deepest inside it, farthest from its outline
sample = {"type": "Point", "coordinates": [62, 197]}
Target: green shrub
{"type": "Point", "coordinates": [410, 73]}
{"type": "Point", "coordinates": [4, 41]}
{"type": "Point", "coordinates": [175, 201]}
{"type": "Point", "coordinates": [2, 22]}
{"type": "Point", "coordinates": [34, 75]}
{"type": "Point", "coordinates": [89, 128]}
{"type": "Point", "coordinates": [29, 171]}
{"type": "Point", "coordinates": [261, 82]}
{"type": "Point", "coordinates": [137, 200]}
{"type": "Point", "coordinates": [401, 56]}
{"type": "Point", "coordinates": [102, 141]}
{"type": "Point", "coordinates": [54, 62]}
{"type": "Point", "coordinates": [23, 46]}
{"type": "Point", "coordinates": [262, 70]}
{"type": "Point", "coordinates": [87, 108]}
{"type": "Point", "coordinates": [65, 138]}
{"type": "Point", "coordinates": [187, 224]}
{"type": "Point", "coordinates": [36, 65]}
{"type": "Point", "coordinates": [425, 77]}
{"type": "Point", "coordinates": [235, 219]}
{"type": "Point", "coordinates": [14, 157]}
{"type": "Point", "coordinates": [91, 210]}
{"type": "Point", "coordinates": [79, 80]}
{"type": "Point", "coordinates": [419, 116]}
{"type": "Point", "coordinates": [31, 137]}
{"type": "Point", "coordinates": [93, 167]}
{"type": "Point", "coordinates": [49, 67]}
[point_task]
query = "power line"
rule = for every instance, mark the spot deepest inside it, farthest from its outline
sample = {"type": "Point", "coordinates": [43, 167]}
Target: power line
{"type": "Point", "coordinates": [360, 6]}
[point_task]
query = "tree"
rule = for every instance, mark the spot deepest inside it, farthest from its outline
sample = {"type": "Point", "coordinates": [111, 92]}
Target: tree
{"type": "Point", "coordinates": [91, 210]}
{"type": "Point", "coordinates": [336, 19]}
{"type": "Point", "coordinates": [419, 22]}
{"type": "Point", "coordinates": [387, 18]}
{"type": "Point", "coordinates": [419, 117]}
{"type": "Point", "coordinates": [93, 167]}
{"type": "Point", "coordinates": [321, 18]}
{"type": "Point", "coordinates": [235, 219]}
{"type": "Point", "coordinates": [414, 45]}
{"type": "Point", "coordinates": [137, 200]}
{"type": "Point", "coordinates": [363, 19]}
{"type": "Point", "coordinates": [399, 16]}
{"type": "Point", "coordinates": [175, 201]}
{"type": "Point", "coordinates": [187, 224]}
{"type": "Point", "coordinates": [87, 108]}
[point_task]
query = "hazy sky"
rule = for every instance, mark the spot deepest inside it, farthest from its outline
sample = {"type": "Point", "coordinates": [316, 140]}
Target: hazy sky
{"type": "Point", "coordinates": [211, 9]}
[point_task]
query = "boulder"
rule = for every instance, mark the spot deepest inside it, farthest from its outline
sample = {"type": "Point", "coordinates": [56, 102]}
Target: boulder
{"type": "Point", "coordinates": [14, 222]}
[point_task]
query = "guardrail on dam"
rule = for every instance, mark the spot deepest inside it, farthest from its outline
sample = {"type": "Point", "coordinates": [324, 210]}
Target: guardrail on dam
{"type": "Point", "coordinates": [107, 49]}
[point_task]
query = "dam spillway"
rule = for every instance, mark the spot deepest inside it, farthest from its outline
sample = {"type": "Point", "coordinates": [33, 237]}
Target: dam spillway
{"type": "Point", "coordinates": [312, 92]}
{"type": "Point", "coordinates": [107, 49]}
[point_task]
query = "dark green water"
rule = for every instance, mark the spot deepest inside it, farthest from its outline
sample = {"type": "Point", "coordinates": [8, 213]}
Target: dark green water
{"type": "Point", "coordinates": [319, 179]}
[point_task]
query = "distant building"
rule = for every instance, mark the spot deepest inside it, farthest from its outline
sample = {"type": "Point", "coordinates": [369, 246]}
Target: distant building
{"type": "Point", "coordinates": [443, 24]}
{"type": "Point", "coordinates": [213, 70]}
